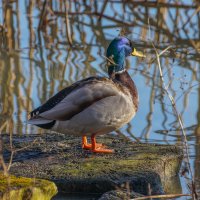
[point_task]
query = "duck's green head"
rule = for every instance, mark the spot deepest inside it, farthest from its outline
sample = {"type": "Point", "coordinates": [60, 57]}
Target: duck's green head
{"type": "Point", "coordinates": [117, 51]}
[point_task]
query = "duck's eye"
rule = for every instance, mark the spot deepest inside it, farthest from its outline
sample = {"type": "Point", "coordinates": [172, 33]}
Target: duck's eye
{"type": "Point", "coordinates": [129, 44]}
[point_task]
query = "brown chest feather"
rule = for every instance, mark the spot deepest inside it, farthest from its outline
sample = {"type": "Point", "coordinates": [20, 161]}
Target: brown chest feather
{"type": "Point", "coordinates": [126, 80]}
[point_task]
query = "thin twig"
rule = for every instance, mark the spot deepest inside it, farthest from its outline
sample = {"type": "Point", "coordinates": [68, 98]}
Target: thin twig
{"type": "Point", "coordinates": [11, 161]}
{"type": "Point", "coordinates": [26, 147]}
{"type": "Point", "coordinates": [6, 167]}
{"type": "Point", "coordinates": [161, 53]}
{"type": "Point", "coordinates": [110, 60]}
{"type": "Point", "coordinates": [162, 196]}
{"type": "Point", "coordinates": [2, 162]}
{"type": "Point", "coordinates": [5, 171]}
{"type": "Point", "coordinates": [187, 91]}
{"type": "Point", "coordinates": [185, 143]}
{"type": "Point", "coordinates": [10, 126]}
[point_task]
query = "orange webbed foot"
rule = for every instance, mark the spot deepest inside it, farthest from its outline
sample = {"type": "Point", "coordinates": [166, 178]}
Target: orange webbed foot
{"type": "Point", "coordinates": [95, 147]}
{"type": "Point", "coordinates": [99, 148]}
{"type": "Point", "coordinates": [86, 145]}
{"type": "Point", "coordinates": [102, 150]}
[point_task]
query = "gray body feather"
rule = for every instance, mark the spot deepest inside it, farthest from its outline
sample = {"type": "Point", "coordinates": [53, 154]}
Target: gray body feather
{"type": "Point", "coordinates": [95, 106]}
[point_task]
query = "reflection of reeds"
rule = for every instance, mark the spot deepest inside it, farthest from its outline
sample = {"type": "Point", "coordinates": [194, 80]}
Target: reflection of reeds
{"type": "Point", "coordinates": [51, 42]}
{"type": "Point", "coordinates": [68, 29]}
{"type": "Point", "coordinates": [43, 14]}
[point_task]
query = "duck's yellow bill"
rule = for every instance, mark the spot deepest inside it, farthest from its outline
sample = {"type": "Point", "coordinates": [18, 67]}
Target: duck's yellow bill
{"type": "Point", "coordinates": [137, 53]}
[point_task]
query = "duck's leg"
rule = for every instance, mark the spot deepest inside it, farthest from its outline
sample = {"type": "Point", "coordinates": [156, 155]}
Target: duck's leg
{"type": "Point", "coordinates": [99, 148]}
{"type": "Point", "coordinates": [85, 144]}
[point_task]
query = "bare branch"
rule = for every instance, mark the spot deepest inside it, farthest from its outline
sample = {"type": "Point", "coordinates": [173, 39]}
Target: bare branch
{"type": "Point", "coordinates": [162, 196]}
{"type": "Point", "coordinates": [185, 143]}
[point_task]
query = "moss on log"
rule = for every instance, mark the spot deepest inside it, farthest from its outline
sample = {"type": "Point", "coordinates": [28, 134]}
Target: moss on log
{"type": "Point", "coordinates": [21, 188]}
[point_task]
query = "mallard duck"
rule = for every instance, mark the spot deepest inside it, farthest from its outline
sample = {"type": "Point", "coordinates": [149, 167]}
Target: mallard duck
{"type": "Point", "coordinates": [95, 105]}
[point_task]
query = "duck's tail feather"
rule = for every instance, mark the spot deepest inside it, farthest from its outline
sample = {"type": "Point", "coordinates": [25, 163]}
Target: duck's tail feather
{"type": "Point", "coordinates": [42, 122]}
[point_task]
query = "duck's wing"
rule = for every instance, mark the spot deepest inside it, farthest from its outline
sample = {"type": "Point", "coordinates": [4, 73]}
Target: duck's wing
{"type": "Point", "coordinates": [73, 100]}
